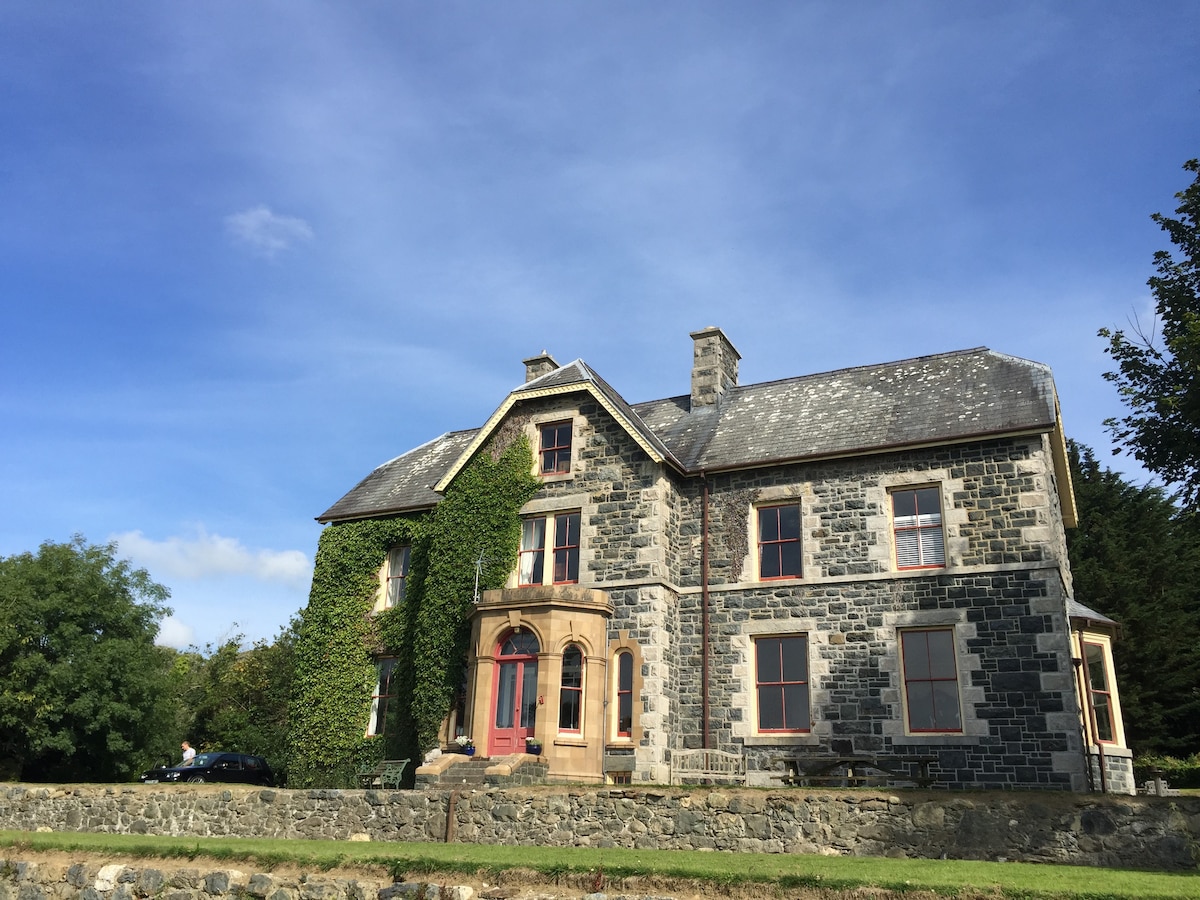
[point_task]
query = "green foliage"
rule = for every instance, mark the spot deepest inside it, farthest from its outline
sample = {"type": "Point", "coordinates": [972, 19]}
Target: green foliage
{"type": "Point", "coordinates": [1160, 382]}
{"type": "Point", "coordinates": [81, 682]}
{"type": "Point", "coordinates": [478, 523]}
{"type": "Point", "coordinates": [334, 653]}
{"type": "Point", "coordinates": [1136, 558]}
{"type": "Point", "coordinates": [1178, 773]}
{"type": "Point", "coordinates": [428, 634]}
{"type": "Point", "coordinates": [238, 699]}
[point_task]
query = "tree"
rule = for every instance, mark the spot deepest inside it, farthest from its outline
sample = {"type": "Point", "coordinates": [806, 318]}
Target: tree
{"type": "Point", "coordinates": [1158, 377]}
{"type": "Point", "coordinates": [1136, 558]}
{"type": "Point", "coordinates": [237, 699]}
{"type": "Point", "coordinates": [81, 682]}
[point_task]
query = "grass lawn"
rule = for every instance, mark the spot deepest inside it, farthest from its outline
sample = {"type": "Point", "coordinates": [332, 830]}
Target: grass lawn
{"type": "Point", "coordinates": [779, 871]}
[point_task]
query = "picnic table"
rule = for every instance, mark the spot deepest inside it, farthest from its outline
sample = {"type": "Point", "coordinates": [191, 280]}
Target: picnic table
{"type": "Point", "coordinates": [386, 774]}
{"type": "Point", "coordinates": [854, 771]}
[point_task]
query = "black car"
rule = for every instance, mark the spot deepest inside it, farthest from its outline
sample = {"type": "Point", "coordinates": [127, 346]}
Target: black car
{"type": "Point", "coordinates": [237, 768]}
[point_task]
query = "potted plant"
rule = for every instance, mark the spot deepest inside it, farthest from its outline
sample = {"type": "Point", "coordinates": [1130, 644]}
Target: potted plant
{"type": "Point", "coordinates": [533, 745]}
{"type": "Point", "coordinates": [465, 744]}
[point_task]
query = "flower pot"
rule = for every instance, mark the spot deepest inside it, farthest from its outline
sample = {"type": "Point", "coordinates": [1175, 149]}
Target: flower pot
{"type": "Point", "coordinates": [470, 751]}
{"type": "Point", "coordinates": [534, 747]}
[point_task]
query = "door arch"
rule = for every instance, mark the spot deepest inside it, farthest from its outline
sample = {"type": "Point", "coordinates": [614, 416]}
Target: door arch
{"type": "Point", "coordinates": [514, 694]}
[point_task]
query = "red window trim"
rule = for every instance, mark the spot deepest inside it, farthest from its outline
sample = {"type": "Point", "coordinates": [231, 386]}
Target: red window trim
{"type": "Point", "coordinates": [918, 528]}
{"type": "Point", "coordinates": [577, 690]}
{"type": "Point", "coordinates": [780, 541]}
{"type": "Point", "coordinates": [567, 549]}
{"type": "Point", "coordinates": [555, 450]}
{"type": "Point", "coordinates": [1107, 692]}
{"type": "Point", "coordinates": [624, 694]}
{"type": "Point", "coordinates": [758, 685]}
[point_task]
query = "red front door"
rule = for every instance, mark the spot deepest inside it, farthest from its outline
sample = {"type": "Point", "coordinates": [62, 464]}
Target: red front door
{"type": "Point", "coordinates": [514, 697]}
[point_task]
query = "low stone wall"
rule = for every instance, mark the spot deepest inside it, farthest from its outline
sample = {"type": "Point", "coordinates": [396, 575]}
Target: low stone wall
{"type": "Point", "coordinates": [1137, 832]}
{"type": "Point", "coordinates": [25, 880]}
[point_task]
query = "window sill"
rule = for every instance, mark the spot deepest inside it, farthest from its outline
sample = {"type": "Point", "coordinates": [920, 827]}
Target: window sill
{"type": "Point", "coordinates": [570, 742]}
{"type": "Point", "coordinates": [556, 477]}
{"type": "Point", "coordinates": [782, 740]}
{"type": "Point", "coordinates": [941, 738]}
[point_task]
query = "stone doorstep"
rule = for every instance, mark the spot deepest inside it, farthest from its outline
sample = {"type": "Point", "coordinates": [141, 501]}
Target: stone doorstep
{"type": "Point", "coordinates": [458, 768]}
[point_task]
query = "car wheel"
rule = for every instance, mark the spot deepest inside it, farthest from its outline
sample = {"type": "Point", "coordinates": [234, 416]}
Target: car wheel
{"type": "Point", "coordinates": [197, 779]}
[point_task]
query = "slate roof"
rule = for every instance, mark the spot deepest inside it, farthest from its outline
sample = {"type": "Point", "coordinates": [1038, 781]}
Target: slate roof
{"type": "Point", "coordinates": [945, 398]}
{"type": "Point", "coordinates": [930, 399]}
{"type": "Point", "coordinates": [1077, 610]}
{"type": "Point", "coordinates": [403, 484]}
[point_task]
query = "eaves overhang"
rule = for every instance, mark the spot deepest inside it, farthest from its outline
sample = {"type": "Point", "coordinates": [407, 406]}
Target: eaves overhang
{"type": "Point", "coordinates": [381, 513]}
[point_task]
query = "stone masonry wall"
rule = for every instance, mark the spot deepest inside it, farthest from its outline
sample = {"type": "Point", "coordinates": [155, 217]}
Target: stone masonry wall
{"type": "Point", "coordinates": [1002, 591]}
{"type": "Point", "coordinates": [1135, 832]}
{"type": "Point", "coordinates": [25, 880]}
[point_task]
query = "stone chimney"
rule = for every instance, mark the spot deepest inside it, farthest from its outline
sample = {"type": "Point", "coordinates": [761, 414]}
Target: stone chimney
{"type": "Point", "coordinates": [537, 366]}
{"type": "Point", "coordinates": [714, 366]}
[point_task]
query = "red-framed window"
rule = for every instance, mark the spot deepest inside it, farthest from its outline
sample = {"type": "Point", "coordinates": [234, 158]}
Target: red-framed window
{"type": "Point", "coordinates": [566, 548]}
{"type": "Point", "coordinates": [384, 692]}
{"type": "Point", "coordinates": [625, 694]}
{"type": "Point", "coordinates": [779, 541]}
{"type": "Point", "coordinates": [917, 519]}
{"type": "Point", "coordinates": [781, 683]}
{"type": "Point", "coordinates": [930, 680]}
{"type": "Point", "coordinates": [532, 558]}
{"type": "Point", "coordinates": [555, 448]}
{"type": "Point", "coordinates": [1101, 690]}
{"type": "Point", "coordinates": [397, 576]}
{"type": "Point", "coordinates": [570, 697]}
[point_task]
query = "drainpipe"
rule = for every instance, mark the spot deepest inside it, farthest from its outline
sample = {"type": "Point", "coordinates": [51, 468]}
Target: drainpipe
{"type": "Point", "coordinates": [704, 610]}
{"type": "Point", "coordinates": [1091, 708]}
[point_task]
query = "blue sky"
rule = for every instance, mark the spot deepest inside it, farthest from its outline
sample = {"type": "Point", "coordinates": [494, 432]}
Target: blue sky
{"type": "Point", "coordinates": [249, 251]}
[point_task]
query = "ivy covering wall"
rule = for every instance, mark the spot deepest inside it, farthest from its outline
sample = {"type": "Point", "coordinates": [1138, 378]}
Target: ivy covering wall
{"type": "Point", "coordinates": [477, 524]}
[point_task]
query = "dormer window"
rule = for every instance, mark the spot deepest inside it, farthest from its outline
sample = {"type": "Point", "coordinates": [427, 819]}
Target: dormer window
{"type": "Point", "coordinates": [555, 448]}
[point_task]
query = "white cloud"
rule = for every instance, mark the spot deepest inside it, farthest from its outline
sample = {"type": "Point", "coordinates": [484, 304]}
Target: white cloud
{"type": "Point", "coordinates": [173, 633]}
{"type": "Point", "coordinates": [205, 556]}
{"type": "Point", "coordinates": [266, 233]}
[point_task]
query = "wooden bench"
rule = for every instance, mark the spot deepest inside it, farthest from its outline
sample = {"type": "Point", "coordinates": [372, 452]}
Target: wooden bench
{"type": "Point", "coordinates": [854, 771]}
{"type": "Point", "coordinates": [386, 775]}
{"type": "Point", "coordinates": [698, 766]}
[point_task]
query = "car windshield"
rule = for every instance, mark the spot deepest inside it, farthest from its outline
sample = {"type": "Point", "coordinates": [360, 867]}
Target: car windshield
{"type": "Point", "coordinates": [205, 759]}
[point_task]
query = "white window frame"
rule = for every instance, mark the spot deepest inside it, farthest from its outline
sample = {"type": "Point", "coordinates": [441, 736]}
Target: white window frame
{"type": "Point", "coordinates": [396, 583]}
{"type": "Point", "coordinates": [916, 552]}
{"type": "Point", "coordinates": [385, 667]}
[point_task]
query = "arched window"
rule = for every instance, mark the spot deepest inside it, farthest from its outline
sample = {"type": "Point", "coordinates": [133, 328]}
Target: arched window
{"type": "Point", "coordinates": [624, 694]}
{"type": "Point", "coordinates": [570, 698]}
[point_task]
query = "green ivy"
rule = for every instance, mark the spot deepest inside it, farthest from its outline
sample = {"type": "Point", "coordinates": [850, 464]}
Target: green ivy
{"type": "Point", "coordinates": [335, 653]}
{"type": "Point", "coordinates": [478, 524]}
{"type": "Point", "coordinates": [478, 520]}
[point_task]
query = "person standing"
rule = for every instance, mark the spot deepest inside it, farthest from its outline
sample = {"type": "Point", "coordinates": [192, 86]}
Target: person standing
{"type": "Point", "coordinates": [189, 753]}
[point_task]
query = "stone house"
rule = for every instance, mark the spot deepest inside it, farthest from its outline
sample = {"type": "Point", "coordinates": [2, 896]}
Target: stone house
{"type": "Point", "coordinates": [866, 564]}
